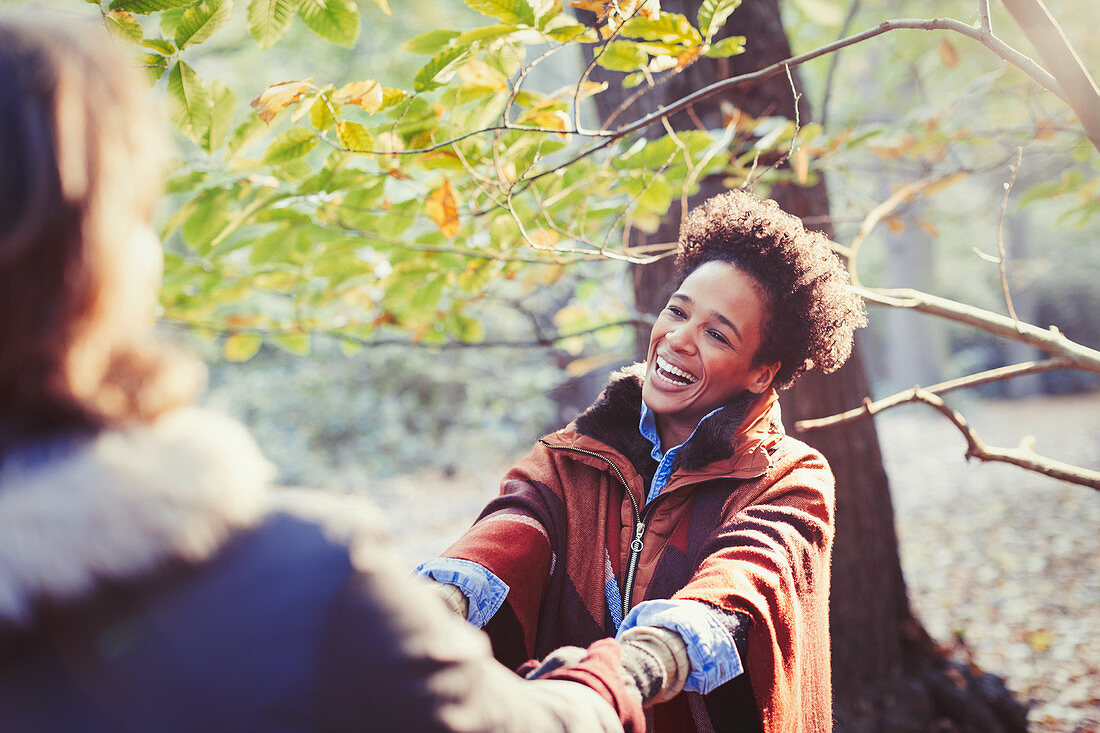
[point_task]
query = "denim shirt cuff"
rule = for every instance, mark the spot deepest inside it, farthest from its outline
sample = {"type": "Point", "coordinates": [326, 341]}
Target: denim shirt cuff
{"type": "Point", "coordinates": [485, 591]}
{"type": "Point", "coordinates": [710, 646]}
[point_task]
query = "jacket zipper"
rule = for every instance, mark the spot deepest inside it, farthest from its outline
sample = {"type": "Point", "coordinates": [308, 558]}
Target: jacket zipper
{"type": "Point", "coordinates": [639, 523]}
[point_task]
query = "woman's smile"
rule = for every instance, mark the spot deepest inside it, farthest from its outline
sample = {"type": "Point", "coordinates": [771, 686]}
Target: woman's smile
{"type": "Point", "coordinates": [702, 348]}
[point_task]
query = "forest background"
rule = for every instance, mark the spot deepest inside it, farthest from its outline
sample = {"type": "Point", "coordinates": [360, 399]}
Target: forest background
{"type": "Point", "coordinates": [401, 323]}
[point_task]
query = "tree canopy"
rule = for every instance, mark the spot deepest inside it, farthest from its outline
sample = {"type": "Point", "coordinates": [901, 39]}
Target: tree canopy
{"type": "Point", "coordinates": [381, 207]}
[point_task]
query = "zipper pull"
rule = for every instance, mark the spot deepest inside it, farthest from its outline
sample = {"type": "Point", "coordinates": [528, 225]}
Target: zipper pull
{"type": "Point", "coordinates": [636, 545]}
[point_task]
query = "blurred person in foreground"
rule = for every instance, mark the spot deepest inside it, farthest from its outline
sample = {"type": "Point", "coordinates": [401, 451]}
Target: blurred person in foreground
{"type": "Point", "coordinates": [674, 513]}
{"type": "Point", "coordinates": [150, 579]}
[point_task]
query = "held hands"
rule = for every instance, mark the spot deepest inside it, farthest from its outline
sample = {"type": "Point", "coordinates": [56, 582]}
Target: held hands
{"type": "Point", "coordinates": [653, 663]}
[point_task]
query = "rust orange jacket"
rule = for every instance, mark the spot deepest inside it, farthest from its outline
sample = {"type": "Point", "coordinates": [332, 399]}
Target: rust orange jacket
{"type": "Point", "coordinates": [745, 526]}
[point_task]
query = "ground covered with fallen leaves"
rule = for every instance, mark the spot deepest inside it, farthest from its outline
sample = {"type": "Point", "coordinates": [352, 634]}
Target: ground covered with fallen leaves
{"type": "Point", "coordinates": [1002, 564]}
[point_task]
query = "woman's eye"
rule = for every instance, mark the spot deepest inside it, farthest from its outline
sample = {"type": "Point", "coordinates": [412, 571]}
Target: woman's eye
{"type": "Point", "coordinates": [718, 337]}
{"type": "Point", "coordinates": [675, 311]}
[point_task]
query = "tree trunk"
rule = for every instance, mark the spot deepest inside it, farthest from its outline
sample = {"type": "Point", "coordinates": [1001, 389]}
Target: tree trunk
{"type": "Point", "coordinates": [888, 676]}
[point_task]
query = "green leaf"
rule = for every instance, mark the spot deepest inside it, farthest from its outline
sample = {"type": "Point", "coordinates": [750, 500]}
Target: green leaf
{"type": "Point", "coordinates": [430, 43]}
{"type": "Point", "coordinates": [208, 215]}
{"type": "Point", "coordinates": [188, 101]}
{"type": "Point", "coordinates": [486, 33]}
{"type": "Point", "coordinates": [572, 32]}
{"type": "Point", "coordinates": [242, 346]}
{"type": "Point", "coordinates": [730, 46]}
{"type": "Point", "coordinates": [223, 105]}
{"type": "Point", "coordinates": [170, 20]}
{"type": "Point", "coordinates": [440, 69]}
{"type": "Point", "coordinates": [159, 45]}
{"type": "Point", "coordinates": [713, 15]}
{"type": "Point", "coordinates": [350, 348]}
{"type": "Point", "coordinates": [268, 20]}
{"type": "Point", "coordinates": [391, 96]}
{"type": "Point", "coordinates": [291, 145]}
{"type": "Point", "coordinates": [144, 7]}
{"type": "Point", "coordinates": [246, 133]}
{"type": "Point", "coordinates": [506, 11]}
{"type": "Point", "coordinates": [668, 28]}
{"type": "Point", "coordinates": [155, 64]}
{"type": "Point", "coordinates": [122, 24]}
{"type": "Point", "coordinates": [200, 22]}
{"type": "Point", "coordinates": [623, 56]}
{"type": "Point", "coordinates": [185, 181]}
{"type": "Point", "coordinates": [333, 20]}
{"type": "Point", "coordinates": [295, 343]}
{"type": "Point", "coordinates": [320, 113]}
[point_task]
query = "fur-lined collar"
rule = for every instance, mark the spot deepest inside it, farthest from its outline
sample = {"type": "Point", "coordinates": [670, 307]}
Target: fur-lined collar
{"type": "Point", "coordinates": [122, 505]}
{"type": "Point", "coordinates": [747, 423]}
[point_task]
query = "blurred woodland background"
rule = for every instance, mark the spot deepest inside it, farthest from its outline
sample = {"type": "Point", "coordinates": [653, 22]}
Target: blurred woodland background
{"type": "Point", "coordinates": [409, 237]}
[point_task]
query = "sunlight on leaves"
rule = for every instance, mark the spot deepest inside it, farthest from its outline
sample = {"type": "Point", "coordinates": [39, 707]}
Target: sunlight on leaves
{"type": "Point", "coordinates": [275, 97]}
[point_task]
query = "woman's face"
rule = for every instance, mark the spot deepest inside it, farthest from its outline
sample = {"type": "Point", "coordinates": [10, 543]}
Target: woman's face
{"type": "Point", "coordinates": [701, 349]}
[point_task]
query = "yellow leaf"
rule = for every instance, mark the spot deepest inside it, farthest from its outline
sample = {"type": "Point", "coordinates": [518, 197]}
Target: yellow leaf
{"type": "Point", "coordinates": [599, 7]}
{"type": "Point", "coordinates": [442, 208]}
{"type": "Point", "coordinates": [277, 96]}
{"type": "Point", "coordinates": [543, 238]}
{"type": "Point", "coordinates": [354, 136]}
{"type": "Point", "coordinates": [928, 227]}
{"type": "Point", "coordinates": [800, 162]}
{"type": "Point", "coordinates": [550, 119]}
{"type": "Point", "coordinates": [389, 142]}
{"type": "Point", "coordinates": [687, 58]}
{"type": "Point", "coordinates": [242, 346]}
{"type": "Point", "coordinates": [947, 52]}
{"type": "Point", "coordinates": [367, 94]}
{"type": "Point", "coordinates": [384, 5]}
{"type": "Point", "coordinates": [1040, 641]}
{"type": "Point", "coordinates": [478, 74]}
{"type": "Point", "coordinates": [895, 224]}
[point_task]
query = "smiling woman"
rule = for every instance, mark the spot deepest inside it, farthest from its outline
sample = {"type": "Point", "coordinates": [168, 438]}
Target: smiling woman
{"type": "Point", "coordinates": [674, 513]}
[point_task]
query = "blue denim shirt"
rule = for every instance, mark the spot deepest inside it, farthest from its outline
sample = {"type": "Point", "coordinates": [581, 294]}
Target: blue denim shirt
{"type": "Point", "coordinates": [710, 646]}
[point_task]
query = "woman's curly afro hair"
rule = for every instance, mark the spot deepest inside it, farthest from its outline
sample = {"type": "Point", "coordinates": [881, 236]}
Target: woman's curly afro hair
{"type": "Point", "coordinates": [813, 311]}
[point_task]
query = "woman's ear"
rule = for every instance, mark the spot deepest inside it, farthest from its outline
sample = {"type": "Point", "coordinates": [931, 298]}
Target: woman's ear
{"type": "Point", "coordinates": [765, 373]}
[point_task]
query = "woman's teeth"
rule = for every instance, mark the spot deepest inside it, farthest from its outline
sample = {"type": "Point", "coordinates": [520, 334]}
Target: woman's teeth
{"type": "Point", "coordinates": [673, 374]}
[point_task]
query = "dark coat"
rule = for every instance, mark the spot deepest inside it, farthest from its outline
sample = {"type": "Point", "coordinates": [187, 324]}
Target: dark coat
{"type": "Point", "coordinates": [150, 581]}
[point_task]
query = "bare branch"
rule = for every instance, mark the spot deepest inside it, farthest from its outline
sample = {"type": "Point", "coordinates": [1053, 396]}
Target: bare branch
{"type": "Point", "coordinates": [870, 409]}
{"type": "Point", "coordinates": [1052, 341]}
{"type": "Point", "coordinates": [1023, 456]}
{"type": "Point", "coordinates": [1080, 90]}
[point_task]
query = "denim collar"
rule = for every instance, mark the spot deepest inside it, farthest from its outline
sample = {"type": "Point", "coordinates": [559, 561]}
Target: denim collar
{"type": "Point", "coordinates": [647, 426]}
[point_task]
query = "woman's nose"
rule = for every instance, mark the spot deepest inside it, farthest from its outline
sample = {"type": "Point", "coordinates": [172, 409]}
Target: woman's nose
{"type": "Point", "coordinates": [679, 339]}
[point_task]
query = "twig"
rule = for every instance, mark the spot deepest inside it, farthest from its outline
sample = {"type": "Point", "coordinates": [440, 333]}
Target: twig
{"type": "Point", "coordinates": [874, 216]}
{"type": "Point", "coordinates": [1003, 262]}
{"type": "Point", "coordinates": [869, 408]}
{"type": "Point", "coordinates": [1023, 456]}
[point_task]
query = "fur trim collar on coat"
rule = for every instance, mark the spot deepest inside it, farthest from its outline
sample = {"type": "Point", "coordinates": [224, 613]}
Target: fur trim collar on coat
{"type": "Point", "coordinates": [749, 422]}
{"type": "Point", "coordinates": [122, 505]}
